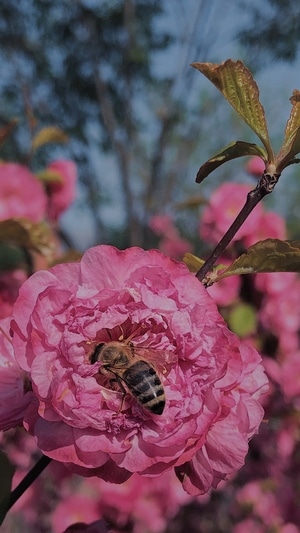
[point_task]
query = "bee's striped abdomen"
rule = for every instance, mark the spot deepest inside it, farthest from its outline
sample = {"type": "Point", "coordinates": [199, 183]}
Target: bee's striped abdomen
{"type": "Point", "coordinates": [144, 383]}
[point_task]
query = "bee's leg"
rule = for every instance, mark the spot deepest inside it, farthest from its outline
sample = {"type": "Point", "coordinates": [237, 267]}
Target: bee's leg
{"type": "Point", "coordinates": [131, 347]}
{"type": "Point", "coordinates": [123, 390]}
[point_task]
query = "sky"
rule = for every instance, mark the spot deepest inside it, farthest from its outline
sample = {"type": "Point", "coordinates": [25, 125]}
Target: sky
{"type": "Point", "coordinates": [276, 83]}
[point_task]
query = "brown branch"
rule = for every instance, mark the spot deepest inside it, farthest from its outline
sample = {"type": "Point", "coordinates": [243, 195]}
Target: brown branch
{"type": "Point", "coordinates": [265, 186]}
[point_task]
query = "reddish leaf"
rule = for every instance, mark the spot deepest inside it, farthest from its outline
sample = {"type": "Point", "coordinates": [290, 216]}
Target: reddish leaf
{"type": "Point", "coordinates": [237, 85]}
{"type": "Point", "coordinates": [270, 255]}
{"type": "Point", "coordinates": [232, 151]}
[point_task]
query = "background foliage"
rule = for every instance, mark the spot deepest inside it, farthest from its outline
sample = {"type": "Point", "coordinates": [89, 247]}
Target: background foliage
{"type": "Point", "coordinates": [114, 76]}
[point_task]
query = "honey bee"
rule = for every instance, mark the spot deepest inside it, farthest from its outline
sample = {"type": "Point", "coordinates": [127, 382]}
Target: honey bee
{"type": "Point", "coordinates": [120, 360]}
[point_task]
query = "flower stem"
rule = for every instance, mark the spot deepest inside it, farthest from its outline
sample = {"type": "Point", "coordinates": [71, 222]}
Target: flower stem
{"type": "Point", "coordinates": [265, 186]}
{"type": "Point", "coordinates": [30, 477]}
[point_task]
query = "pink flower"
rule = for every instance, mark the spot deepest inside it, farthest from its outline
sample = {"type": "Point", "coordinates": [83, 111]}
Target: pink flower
{"type": "Point", "coordinates": [270, 503]}
{"type": "Point", "coordinates": [262, 500]}
{"type": "Point", "coordinates": [73, 509]}
{"type": "Point", "coordinates": [225, 291]}
{"type": "Point", "coordinates": [275, 283]}
{"type": "Point", "coordinates": [250, 525]}
{"type": "Point", "coordinates": [288, 341]}
{"type": "Point", "coordinates": [287, 439]}
{"type": "Point", "coordinates": [171, 242]}
{"type": "Point", "coordinates": [61, 195]}
{"type": "Point", "coordinates": [175, 248]}
{"type": "Point", "coordinates": [21, 194]}
{"type": "Point", "coordinates": [15, 394]}
{"type": "Point", "coordinates": [256, 166]}
{"type": "Point", "coordinates": [163, 225]}
{"type": "Point", "coordinates": [280, 312]}
{"type": "Point", "coordinates": [22, 450]}
{"type": "Point", "coordinates": [146, 502]}
{"type": "Point", "coordinates": [212, 382]}
{"type": "Point", "coordinates": [289, 528]}
{"type": "Point", "coordinates": [272, 226]}
{"type": "Point", "coordinates": [272, 369]}
{"type": "Point", "coordinates": [224, 205]}
{"type": "Point", "coordinates": [290, 375]}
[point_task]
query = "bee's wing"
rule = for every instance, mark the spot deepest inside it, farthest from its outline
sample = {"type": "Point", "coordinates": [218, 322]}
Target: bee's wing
{"type": "Point", "coordinates": [160, 359]}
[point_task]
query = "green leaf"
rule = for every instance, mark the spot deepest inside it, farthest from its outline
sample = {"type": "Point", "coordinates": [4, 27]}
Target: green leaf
{"type": "Point", "coordinates": [288, 159]}
{"type": "Point", "coordinates": [291, 143]}
{"type": "Point", "coordinates": [11, 257]}
{"type": "Point", "coordinates": [49, 134]}
{"type": "Point", "coordinates": [7, 471]}
{"type": "Point", "coordinates": [237, 85]}
{"type": "Point", "coordinates": [270, 255]}
{"type": "Point", "coordinates": [292, 161]}
{"type": "Point", "coordinates": [49, 176]}
{"type": "Point", "coordinates": [71, 256]}
{"type": "Point", "coordinates": [293, 150]}
{"type": "Point", "coordinates": [232, 151]}
{"type": "Point", "coordinates": [242, 320]}
{"type": "Point", "coordinates": [32, 235]}
{"type": "Point", "coordinates": [193, 262]}
{"type": "Point", "coordinates": [192, 202]}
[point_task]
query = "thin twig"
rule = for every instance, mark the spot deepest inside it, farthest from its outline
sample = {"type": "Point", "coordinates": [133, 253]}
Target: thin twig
{"type": "Point", "coordinates": [30, 477]}
{"type": "Point", "coordinates": [265, 186]}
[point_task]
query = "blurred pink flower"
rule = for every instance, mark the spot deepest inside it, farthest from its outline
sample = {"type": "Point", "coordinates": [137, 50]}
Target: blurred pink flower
{"type": "Point", "coordinates": [275, 283]}
{"type": "Point", "coordinates": [289, 528]}
{"type": "Point", "coordinates": [280, 312]}
{"type": "Point", "coordinates": [212, 381]}
{"type": "Point", "coordinates": [21, 193]}
{"type": "Point", "coordinates": [72, 509]}
{"type": "Point", "coordinates": [255, 166]}
{"type": "Point", "coordinates": [261, 498]}
{"type": "Point", "coordinates": [21, 449]}
{"type": "Point", "coordinates": [145, 502]}
{"type": "Point", "coordinates": [272, 226]}
{"type": "Point", "coordinates": [249, 525]}
{"type": "Point", "coordinates": [280, 308]}
{"type": "Point", "coordinates": [272, 369]}
{"type": "Point", "coordinates": [287, 439]}
{"type": "Point", "coordinates": [61, 195]}
{"type": "Point", "coordinates": [175, 248]}
{"type": "Point", "coordinates": [15, 394]}
{"type": "Point", "coordinates": [163, 225]}
{"type": "Point", "coordinates": [171, 243]}
{"type": "Point", "coordinates": [225, 291]}
{"type": "Point", "coordinates": [288, 341]}
{"type": "Point", "coordinates": [290, 375]}
{"type": "Point", "coordinates": [10, 282]}
{"type": "Point", "coordinates": [224, 205]}
{"type": "Point", "coordinates": [268, 502]}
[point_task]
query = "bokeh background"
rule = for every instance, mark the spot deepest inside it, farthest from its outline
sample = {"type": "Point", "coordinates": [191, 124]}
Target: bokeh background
{"type": "Point", "coordinates": [114, 78]}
